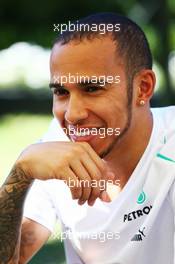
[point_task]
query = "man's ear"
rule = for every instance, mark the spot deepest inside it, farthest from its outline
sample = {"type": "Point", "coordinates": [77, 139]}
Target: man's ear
{"type": "Point", "coordinates": [144, 83]}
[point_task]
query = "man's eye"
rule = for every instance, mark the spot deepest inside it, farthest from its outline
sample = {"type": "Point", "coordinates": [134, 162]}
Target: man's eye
{"type": "Point", "coordinates": [60, 92]}
{"type": "Point", "coordinates": [92, 89]}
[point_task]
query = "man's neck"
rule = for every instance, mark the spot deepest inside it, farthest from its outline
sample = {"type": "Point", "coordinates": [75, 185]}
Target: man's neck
{"type": "Point", "coordinates": [125, 156]}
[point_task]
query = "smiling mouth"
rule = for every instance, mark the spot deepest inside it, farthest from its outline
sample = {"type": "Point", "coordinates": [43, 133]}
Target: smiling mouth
{"type": "Point", "coordinates": [83, 133]}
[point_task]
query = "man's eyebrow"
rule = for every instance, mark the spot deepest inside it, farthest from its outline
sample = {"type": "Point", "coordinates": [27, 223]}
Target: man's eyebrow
{"type": "Point", "coordinates": [91, 81]}
{"type": "Point", "coordinates": [82, 83]}
{"type": "Point", "coordinates": [55, 85]}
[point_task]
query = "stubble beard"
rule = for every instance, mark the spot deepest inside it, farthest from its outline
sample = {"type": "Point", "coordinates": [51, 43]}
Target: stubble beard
{"type": "Point", "coordinates": [118, 138]}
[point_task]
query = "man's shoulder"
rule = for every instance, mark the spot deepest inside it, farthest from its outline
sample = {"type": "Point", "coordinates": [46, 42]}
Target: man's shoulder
{"type": "Point", "coordinates": [165, 132]}
{"type": "Point", "coordinates": [164, 112]}
{"type": "Point", "coordinates": [165, 119]}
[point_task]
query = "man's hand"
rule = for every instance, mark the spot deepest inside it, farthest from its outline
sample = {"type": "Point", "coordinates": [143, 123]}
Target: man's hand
{"type": "Point", "coordinates": [75, 163]}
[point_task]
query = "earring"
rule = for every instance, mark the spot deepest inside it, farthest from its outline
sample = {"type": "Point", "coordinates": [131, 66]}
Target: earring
{"type": "Point", "coordinates": [142, 102]}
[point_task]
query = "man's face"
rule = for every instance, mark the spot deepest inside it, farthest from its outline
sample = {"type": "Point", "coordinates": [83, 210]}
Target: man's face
{"type": "Point", "coordinates": [90, 105]}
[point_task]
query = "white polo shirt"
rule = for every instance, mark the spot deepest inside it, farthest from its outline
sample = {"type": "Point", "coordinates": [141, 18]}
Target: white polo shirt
{"type": "Point", "coordinates": [137, 227]}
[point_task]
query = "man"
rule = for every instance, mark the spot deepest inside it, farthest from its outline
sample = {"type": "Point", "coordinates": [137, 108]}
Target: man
{"type": "Point", "coordinates": [114, 223]}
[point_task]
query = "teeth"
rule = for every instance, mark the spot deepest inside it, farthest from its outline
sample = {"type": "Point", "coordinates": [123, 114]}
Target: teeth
{"type": "Point", "coordinates": [82, 134]}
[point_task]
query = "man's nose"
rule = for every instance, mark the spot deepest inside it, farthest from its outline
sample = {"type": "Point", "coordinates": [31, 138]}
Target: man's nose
{"type": "Point", "coordinates": [76, 110]}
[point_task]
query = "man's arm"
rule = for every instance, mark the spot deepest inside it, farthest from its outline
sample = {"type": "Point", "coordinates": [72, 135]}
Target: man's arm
{"type": "Point", "coordinates": [33, 237]}
{"type": "Point", "coordinates": [12, 196]}
{"type": "Point", "coordinates": [66, 161]}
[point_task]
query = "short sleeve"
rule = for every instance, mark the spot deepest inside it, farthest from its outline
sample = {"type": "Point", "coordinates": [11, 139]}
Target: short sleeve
{"type": "Point", "coordinates": [38, 206]}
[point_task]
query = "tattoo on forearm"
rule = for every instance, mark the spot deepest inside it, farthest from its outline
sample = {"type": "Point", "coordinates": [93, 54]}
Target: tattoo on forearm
{"type": "Point", "coordinates": [12, 195]}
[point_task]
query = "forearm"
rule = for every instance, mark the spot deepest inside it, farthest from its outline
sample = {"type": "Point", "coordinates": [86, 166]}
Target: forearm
{"type": "Point", "coordinates": [12, 196]}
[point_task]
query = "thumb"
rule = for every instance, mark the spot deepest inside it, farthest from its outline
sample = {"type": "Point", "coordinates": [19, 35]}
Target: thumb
{"type": "Point", "coordinates": [105, 197]}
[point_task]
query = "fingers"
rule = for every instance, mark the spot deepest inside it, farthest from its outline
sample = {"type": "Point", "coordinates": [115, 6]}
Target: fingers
{"type": "Point", "coordinates": [96, 178]}
{"type": "Point", "coordinates": [100, 163]}
{"type": "Point", "coordinates": [89, 177]}
{"type": "Point", "coordinates": [91, 170]}
{"type": "Point", "coordinates": [73, 183]}
{"type": "Point", "coordinates": [84, 179]}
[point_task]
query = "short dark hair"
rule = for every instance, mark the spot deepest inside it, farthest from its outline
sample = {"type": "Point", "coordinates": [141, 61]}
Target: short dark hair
{"type": "Point", "coordinates": [131, 42]}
